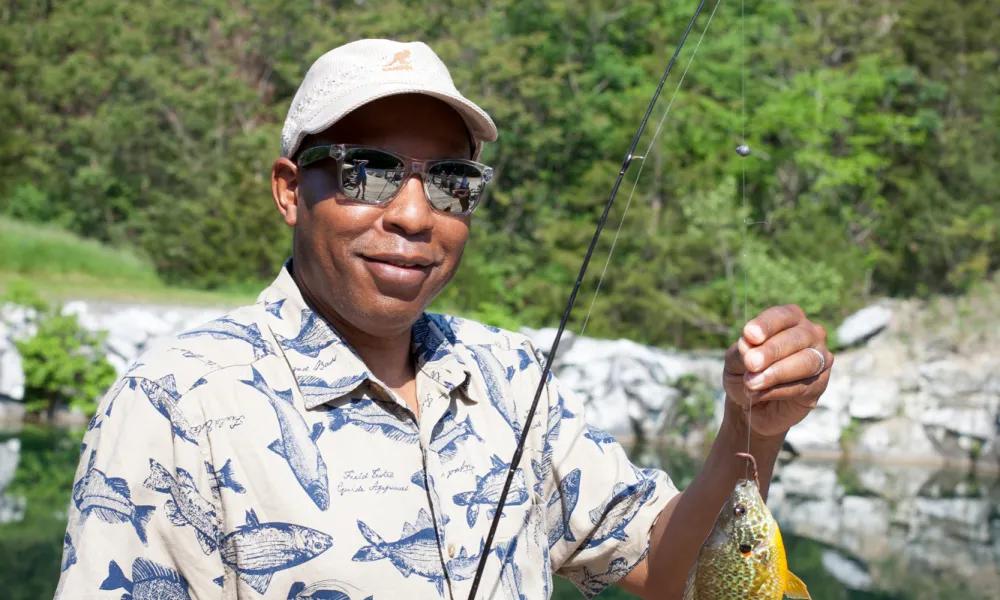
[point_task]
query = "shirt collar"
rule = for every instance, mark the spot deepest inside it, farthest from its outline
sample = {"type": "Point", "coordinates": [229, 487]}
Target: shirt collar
{"type": "Point", "coordinates": [324, 364]}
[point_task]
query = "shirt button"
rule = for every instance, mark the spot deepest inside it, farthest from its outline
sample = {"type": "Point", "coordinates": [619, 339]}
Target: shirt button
{"type": "Point", "coordinates": [451, 550]}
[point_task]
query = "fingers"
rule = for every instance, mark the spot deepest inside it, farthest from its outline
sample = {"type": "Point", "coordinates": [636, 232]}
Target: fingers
{"type": "Point", "coordinates": [734, 366]}
{"type": "Point", "coordinates": [782, 345]}
{"type": "Point", "coordinates": [771, 322]}
{"type": "Point", "coordinates": [804, 365]}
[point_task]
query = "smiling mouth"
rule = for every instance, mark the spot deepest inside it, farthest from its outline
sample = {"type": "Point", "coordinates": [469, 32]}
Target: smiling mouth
{"type": "Point", "coordinates": [402, 263]}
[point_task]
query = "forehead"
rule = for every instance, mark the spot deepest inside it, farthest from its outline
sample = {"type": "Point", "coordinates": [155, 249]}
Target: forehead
{"type": "Point", "coordinates": [414, 125]}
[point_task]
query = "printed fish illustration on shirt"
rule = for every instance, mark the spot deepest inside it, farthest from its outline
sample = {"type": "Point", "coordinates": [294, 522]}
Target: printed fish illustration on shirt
{"type": "Point", "coordinates": [524, 361]}
{"type": "Point", "coordinates": [448, 433]}
{"type": "Point", "coordinates": [225, 328]}
{"type": "Point", "coordinates": [256, 551]}
{"type": "Point", "coordinates": [69, 553]}
{"type": "Point", "coordinates": [557, 413]}
{"type": "Point", "coordinates": [274, 308]}
{"type": "Point", "coordinates": [464, 566]}
{"type": "Point", "coordinates": [223, 478]}
{"type": "Point", "coordinates": [488, 488]}
{"type": "Point", "coordinates": [186, 506]}
{"type": "Point", "coordinates": [564, 500]}
{"type": "Point", "coordinates": [313, 337]}
{"type": "Point", "coordinates": [510, 575]}
{"type": "Point", "coordinates": [109, 499]}
{"type": "Point", "coordinates": [321, 391]}
{"type": "Point", "coordinates": [164, 397]}
{"type": "Point", "coordinates": [613, 516]}
{"type": "Point", "coordinates": [599, 436]}
{"type": "Point", "coordinates": [297, 444]}
{"type": "Point", "coordinates": [150, 581]}
{"type": "Point", "coordinates": [328, 589]}
{"type": "Point", "coordinates": [415, 552]}
{"type": "Point", "coordinates": [375, 417]}
{"type": "Point", "coordinates": [489, 366]}
{"type": "Point", "coordinates": [595, 583]}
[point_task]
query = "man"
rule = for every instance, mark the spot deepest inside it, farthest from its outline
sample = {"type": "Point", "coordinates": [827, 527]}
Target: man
{"type": "Point", "coordinates": [333, 440]}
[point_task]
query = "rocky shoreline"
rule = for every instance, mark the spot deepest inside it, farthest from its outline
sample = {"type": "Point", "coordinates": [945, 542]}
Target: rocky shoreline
{"type": "Point", "coordinates": [913, 383]}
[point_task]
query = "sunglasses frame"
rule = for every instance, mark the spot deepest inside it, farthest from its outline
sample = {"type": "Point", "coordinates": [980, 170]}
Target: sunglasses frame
{"type": "Point", "coordinates": [412, 166]}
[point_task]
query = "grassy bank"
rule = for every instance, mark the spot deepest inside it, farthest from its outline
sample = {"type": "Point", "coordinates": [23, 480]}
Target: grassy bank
{"type": "Point", "coordinates": [61, 265]}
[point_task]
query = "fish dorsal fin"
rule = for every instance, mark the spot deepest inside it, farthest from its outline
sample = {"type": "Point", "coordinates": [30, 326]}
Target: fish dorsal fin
{"type": "Point", "coordinates": [423, 520]}
{"type": "Point", "coordinates": [120, 486]}
{"type": "Point", "coordinates": [498, 462]}
{"type": "Point", "coordinates": [144, 569]}
{"type": "Point", "coordinates": [795, 588]}
{"type": "Point", "coordinates": [252, 519]}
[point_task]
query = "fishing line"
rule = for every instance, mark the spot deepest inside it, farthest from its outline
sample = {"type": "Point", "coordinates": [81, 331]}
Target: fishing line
{"type": "Point", "coordinates": [635, 183]}
{"type": "Point", "coordinates": [743, 164]}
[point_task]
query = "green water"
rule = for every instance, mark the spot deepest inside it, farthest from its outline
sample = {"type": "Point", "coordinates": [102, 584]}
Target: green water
{"type": "Point", "coordinates": [940, 556]}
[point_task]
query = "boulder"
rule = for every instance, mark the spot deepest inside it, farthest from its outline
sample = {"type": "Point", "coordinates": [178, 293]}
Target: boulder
{"type": "Point", "coordinates": [863, 325]}
{"type": "Point", "coordinates": [11, 367]}
{"type": "Point", "coordinates": [851, 574]}
{"type": "Point", "coordinates": [896, 437]}
{"type": "Point", "coordinates": [819, 432]}
{"type": "Point", "coordinates": [876, 398]}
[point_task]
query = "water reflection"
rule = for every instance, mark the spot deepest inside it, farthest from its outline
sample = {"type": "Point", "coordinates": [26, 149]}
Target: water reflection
{"type": "Point", "coordinates": [852, 531]}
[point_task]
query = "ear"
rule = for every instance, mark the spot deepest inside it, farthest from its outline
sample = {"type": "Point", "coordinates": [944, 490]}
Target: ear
{"type": "Point", "coordinates": [285, 189]}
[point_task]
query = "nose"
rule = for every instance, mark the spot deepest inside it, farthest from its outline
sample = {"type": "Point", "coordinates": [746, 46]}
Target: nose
{"type": "Point", "coordinates": [409, 212]}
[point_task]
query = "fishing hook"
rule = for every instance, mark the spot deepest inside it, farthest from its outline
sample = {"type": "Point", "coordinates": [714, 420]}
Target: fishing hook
{"type": "Point", "coordinates": [516, 459]}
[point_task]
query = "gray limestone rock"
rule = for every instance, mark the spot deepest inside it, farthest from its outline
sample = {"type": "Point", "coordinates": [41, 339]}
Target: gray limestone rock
{"type": "Point", "coordinates": [863, 324]}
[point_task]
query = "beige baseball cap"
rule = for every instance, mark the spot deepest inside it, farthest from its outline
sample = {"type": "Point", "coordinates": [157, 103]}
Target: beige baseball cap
{"type": "Point", "coordinates": [357, 73]}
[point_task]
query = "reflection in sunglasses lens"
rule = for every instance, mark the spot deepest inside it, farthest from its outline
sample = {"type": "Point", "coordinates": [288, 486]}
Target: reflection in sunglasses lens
{"type": "Point", "coordinates": [370, 176]}
{"type": "Point", "coordinates": [454, 186]}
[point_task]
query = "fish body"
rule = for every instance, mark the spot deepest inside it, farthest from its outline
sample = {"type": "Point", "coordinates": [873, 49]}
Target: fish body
{"type": "Point", "coordinates": [69, 553]}
{"type": "Point", "coordinates": [744, 556]}
{"type": "Point", "coordinates": [297, 444]}
{"type": "Point", "coordinates": [452, 432]}
{"type": "Point", "coordinates": [374, 418]}
{"type": "Point", "coordinates": [226, 328]}
{"type": "Point", "coordinates": [415, 552]}
{"type": "Point", "coordinates": [488, 488]}
{"type": "Point", "coordinates": [150, 581]}
{"type": "Point", "coordinates": [566, 497]}
{"type": "Point", "coordinates": [489, 366]}
{"type": "Point", "coordinates": [313, 337]}
{"type": "Point", "coordinates": [186, 505]}
{"type": "Point", "coordinates": [613, 516]}
{"type": "Point", "coordinates": [109, 499]}
{"type": "Point", "coordinates": [319, 391]}
{"type": "Point", "coordinates": [163, 395]}
{"type": "Point", "coordinates": [599, 436]}
{"type": "Point", "coordinates": [327, 589]}
{"type": "Point", "coordinates": [256, 551]}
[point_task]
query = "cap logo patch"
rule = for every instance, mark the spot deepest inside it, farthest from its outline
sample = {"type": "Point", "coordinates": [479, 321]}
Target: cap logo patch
{"type": "Point", "coordinates": [400, 62]}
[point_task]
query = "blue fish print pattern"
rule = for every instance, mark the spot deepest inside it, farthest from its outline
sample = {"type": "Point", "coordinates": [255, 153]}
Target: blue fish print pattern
{"type": "Point", "coordinates": [421, 331]}
{"type": "Point", "coordinates": [418, 479]}
{"type": "Point", "coordinates": [536, 468]}
{"type": "Point", "coordinates": [448, 433]}
{"type": "Point", "coordinates": [198, 357]}
{"type": "Point", "coordinates": [328, 589]}
{"type": "Point", "coordinates": [186, 506]}
{"type": "Point", "coordinates": [274, 308]}
{"type": "Point", "coordinates": [510, 575]}
{"type": "Point", "coordinates": [489, 366]}
{"type": "Point", "coordinates": [314, 336]}
{"type": "Point", "coordinates": [488, 488]}
{"type": "Point", "coordinates": [164, 397]}
{"type": "Point", "coordinates": [464, 566]}
{"type": "Point", "coordinates": [565, 499]}
{"type": "Point", "coordinates": [415, 552]}
{"type": "Point", "coordinates": [375, 417]}
{"type": "Point", "coordinates": [225, 328]}
{"type": "Point", "coordinates": [613, 516]}
{"type": "Point", "coordinates": [595, 583]}
{"type": "Point", "coordinates": [109, 499]}
{"type": "Point", "coordinates": [69, 553]}
{"type": "Point", "coordinates": [599, 436]}
{"type": "Point", "coordinates": [557, 413]}
{"type": "Point", "coordinates": [297, 444]}
{"type": "Point", "coordinates": [322, 391]}
{"type": "Point", "coordinates": [223, 478]}
{"type": "Point", "coordinates": [256, 551]}
{"type": "Point", "coordinates": [150, 581]}
{"type": "Point", "coordinates": [524, 361]}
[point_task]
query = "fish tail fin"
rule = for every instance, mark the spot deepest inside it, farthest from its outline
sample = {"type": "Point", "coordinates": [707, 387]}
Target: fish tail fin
{"type": "Point", "coordinates": [296, 589]}
{"type": "Point", "coordinates": [795, 588]}
{"type": "Point", "coordinates": [116, 579]}
{"type": "Point", "coordinates": [374, 551]}
{"type": "Point", "coordinates": [142, 516]}
{"type": "Point", "coordinates": [227, 479]}
{"type": "Point", "coordinates": [159, 478]}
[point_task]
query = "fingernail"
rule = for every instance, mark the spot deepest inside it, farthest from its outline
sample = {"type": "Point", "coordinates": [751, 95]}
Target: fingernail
{"type": "Point", "coordinates": [755, 332]}
{"type": "Point", "coordinates": [754, 360]}
{"type": "Point", "coordinates": [756, 381]}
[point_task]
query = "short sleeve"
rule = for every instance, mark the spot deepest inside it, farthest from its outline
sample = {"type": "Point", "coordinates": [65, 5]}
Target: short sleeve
{"type": "Point", "coordinates": [600, 508]}
{"type": "Point", "coordinates": [142, 511]}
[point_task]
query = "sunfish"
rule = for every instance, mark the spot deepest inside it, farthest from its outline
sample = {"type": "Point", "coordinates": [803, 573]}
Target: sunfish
{"type": "Point", "coordinates": [744, 556]}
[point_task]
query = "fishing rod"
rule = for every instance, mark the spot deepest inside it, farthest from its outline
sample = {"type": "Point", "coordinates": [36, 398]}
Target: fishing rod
{"type": "Point", "coordinates": [516, 459]}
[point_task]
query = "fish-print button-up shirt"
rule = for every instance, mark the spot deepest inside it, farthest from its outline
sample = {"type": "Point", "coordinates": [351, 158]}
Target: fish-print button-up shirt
{"type": "Point", "coordinates": [257, 456]}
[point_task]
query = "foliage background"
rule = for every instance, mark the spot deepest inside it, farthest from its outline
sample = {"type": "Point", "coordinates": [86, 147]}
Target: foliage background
{"type": "Point", "coordinates": [875, 128]}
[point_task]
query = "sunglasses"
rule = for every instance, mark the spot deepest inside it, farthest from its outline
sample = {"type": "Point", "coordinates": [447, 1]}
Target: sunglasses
{"type": "Point", "coordinates": [374, 176]}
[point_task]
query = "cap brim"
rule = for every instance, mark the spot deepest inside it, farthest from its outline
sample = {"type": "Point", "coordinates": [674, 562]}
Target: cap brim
{"type": "Point", "coordinates": [480, 125]}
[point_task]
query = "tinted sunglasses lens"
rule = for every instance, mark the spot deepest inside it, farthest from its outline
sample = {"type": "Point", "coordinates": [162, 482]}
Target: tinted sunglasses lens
{"type": "Point", "coordinates": [454, 186]}
{"type": "Point", "coordinates": [371, 176]}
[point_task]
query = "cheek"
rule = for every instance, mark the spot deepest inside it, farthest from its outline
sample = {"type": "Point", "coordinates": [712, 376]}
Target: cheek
{"type": "Point", "coordinates": [452, 234]}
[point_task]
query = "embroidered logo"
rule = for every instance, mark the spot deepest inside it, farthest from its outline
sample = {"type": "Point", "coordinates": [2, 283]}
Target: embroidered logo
{"type": "Point", "coordinates": [400, 62]}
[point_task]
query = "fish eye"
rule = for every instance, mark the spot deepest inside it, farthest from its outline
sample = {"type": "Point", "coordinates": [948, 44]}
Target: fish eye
{"type": "Point", "coordinates": [745, 549]}
{"type": "Point", "coordinates": [740, 510]}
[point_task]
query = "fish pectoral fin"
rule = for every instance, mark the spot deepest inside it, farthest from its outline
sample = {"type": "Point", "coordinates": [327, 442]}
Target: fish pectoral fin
{"type": "Point", "coordinates": [795, 588]}
{"type": "Point", "coordinates": [277, 447]}
{"type": "Point", "coordinates": [258, 581]}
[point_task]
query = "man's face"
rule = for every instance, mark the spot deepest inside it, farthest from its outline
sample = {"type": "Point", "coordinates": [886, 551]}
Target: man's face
{"type": "Point", "coordinates": [348, 255]}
